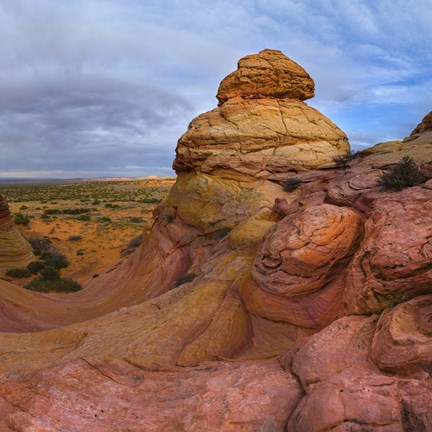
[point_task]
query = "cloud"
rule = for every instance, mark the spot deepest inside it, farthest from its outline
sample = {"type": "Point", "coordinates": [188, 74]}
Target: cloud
{"type": "Point", "coordinates": [106, 87]}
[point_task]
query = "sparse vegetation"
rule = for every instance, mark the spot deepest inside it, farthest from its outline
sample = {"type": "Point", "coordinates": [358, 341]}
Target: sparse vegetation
{"type": "Point", "coordinates": [184, 279]}
{"type": "Point", "coordinates": [57, 285]}
{"type": "Point", "coordinates": [19, 273]}
{"type": "Point", "coordinates": [394, 299]}
{"type": "Point", "coordinates": [75, 238]}
{"type": "Point", "coordinates": [35, 267]}
{"type": "Point", "coordinates": [21, 219]}
{"type": "Point", "coordinates": [342, 161]}
{"type": "Point", "coordinates": [55, 260]}
{"type": "Point", "coordinates": [403, 175]}
{"type": "Point", "coordinates": [291, 184]}
{"type": "Point", "coordinates": [50, 273]}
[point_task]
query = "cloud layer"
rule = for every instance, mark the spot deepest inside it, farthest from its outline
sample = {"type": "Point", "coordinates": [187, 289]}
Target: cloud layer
{"type": "Point", "coordinates": [106, 87]}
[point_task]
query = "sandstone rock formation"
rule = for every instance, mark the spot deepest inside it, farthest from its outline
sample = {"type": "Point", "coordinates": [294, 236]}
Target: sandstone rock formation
{"type": "Point", "coordinates": [262, 129]}
{"type": "Point", "coordinates": [15, 252]}
{"type": "Point", "coordinates": [249, 307]}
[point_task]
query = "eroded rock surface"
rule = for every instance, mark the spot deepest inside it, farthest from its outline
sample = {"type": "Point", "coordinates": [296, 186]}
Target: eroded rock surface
{"type": "Point", "coordinates": [252, 305]}
{"type": "Point", "coordinates": [15, 252]}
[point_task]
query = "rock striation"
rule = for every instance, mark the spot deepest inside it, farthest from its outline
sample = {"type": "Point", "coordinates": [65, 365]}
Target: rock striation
{"type": "Point", "coordinates": [15, 252]}
{"type": "Point", "coordinates": [262, 128]}
{"type": "Point", "coordinates": [251, 306]}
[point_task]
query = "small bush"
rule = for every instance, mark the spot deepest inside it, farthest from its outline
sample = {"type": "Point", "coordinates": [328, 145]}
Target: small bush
{"type": "Point", "coordinates": [184, 279]}
{"type": "Point", "coordinates": [96, 275]}
{"type": "Point", "coordinates": [342, 161]}
{"type": "Point", "coordinates": [57, 285]}
{"type": "Point", "coordinates": [57, 261]}
{"type": "Point", "coordinates": [291, 184]}
{"type": "Point", "coordinates": [50, 273]}
{"type": "Point", "coordinates": [21, 219]}
{"type": "Point", "coordinates": [23, 207]}
{"type": "Point", "coordinates": [85, 218]}
{"type": "Point", "coordinates": [403, 175]}
{"type": "Point", "coordinates": [75, 238]}
{"type": "Point", "coordinates": [35, 267]}
{"type": "Point", "coordinates": [40, 245]}
{"type": "Point", "coordinates": [80, 252]}
{"type": "Point", "coordinates": [135, 242]}
{"type": "Point", "coordinates": [18, 273]}
{"type": "Point", "coordinates": [104, 219]}
{"type": "Point", "coordinates": [134, 219]}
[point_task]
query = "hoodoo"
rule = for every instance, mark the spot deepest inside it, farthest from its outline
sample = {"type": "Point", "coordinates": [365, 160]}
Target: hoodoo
{"type": "Point", "coordinates": [271, 294]}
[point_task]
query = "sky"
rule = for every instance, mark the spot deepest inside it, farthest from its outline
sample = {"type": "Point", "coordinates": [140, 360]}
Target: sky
{"type": "Point", "coordinates": [104, 88]}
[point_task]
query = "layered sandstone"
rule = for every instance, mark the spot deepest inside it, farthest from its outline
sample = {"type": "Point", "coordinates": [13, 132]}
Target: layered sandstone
{"type": "Point", "coordinates": [15, 252]}
{"type": "Point", "coordinates": [262, 129]}
{"type": "Point", "coordinates": [248, 308]}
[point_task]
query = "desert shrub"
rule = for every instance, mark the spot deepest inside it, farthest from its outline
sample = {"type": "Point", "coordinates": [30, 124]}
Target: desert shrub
{"type": "Point", "coordinates": [104, 219]}
{"type": "Point", "coordinates": [75, 238]}
{"type": "Point", "coordinates": [35, 267]}
{"type": "Point", "coordinates": [57, 285]}
{"type": "Point", "coordinates": [395, 299]}
{"type": "Point", "coordinates": [134, 219]}
{"type": "Point", "coordinates": [50, 273]}
{"type": "Point", "coordinates": [184, 279]}
{"type": "Point", "coordinates": [96, 275]}
{"type": "Point", "coordinates": [40, 245]}
{"type": "Point", "coordinates": [403, 175]}
{"type": "Point", "coordinates": [135, 242]}
{"type": "Point", "coordinates": [149, 201]}
{"type": "Point", "coordinates": [80, 252]}
{"type": "Point", "coordinates": [23, 207]}
{"type": "Point", "coordinates": [18, 273]}
{"type": "Point", "coordinates": [96, 202]}
{"type": "Point", "coordinates": [55, 260]}
{"type": "Point", "coordinates": [20, 219]}
{"type": "Point", "coordinates": [342, 161]}
{"type": "Point", "coordinates": [291, 184]}
{"type": "Point", "coordinates": [83, 217]}
{"type": "Point", "coordinates": [220, 233]}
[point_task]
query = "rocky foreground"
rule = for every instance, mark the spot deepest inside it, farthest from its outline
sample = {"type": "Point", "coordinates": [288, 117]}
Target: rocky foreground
{"type": "Point", "coordinates": [249, 307]}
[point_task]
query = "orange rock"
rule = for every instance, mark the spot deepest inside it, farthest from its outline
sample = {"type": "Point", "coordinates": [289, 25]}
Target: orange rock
{"type": "Point", "coordinates": [270, 73]}
{"type": "Point", "coordinates": [297, 276]}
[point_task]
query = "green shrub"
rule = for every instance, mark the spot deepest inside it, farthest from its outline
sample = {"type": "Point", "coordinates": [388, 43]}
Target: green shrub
{"type": "Point", "coordinates": [18, 273]}
{"type": "Point", "coordinates": [184, 279]}
{"type": "Point", "coordinates": [134, 219]}
{"type": "Point", "coordinates": [35, 267]}
{"type": "Point", "coordinates": [40, 245]}
{"type": "Point", "coordinates": [342, 161]}
{"type": "Point", "coordinates": [57, 261]}
{"type": "Point", "coordinates": [50, 273]}
{"type": "Point", "coordinates": [135, 242]}
{"type": "Point", "coordinates": [403, 175]}
{"type": "Point", "coordinates": [21, 219]}
{"type": "Point", "coordinates": [291, 184]}
{"type": "Point", "coordinates": [57, 285]}
{"type": "Point", "coordinates": [104, 219]}
{"type": "Point", "coordinates": [85, 218]}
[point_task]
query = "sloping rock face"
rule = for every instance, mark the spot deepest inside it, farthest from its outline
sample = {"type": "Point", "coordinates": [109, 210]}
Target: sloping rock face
{"type": "Point", "coordinates": [15, 252]}
{"type": "Point", "coordinates": [250, 307]}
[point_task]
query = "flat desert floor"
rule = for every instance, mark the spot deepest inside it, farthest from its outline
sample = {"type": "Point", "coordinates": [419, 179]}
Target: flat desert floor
{"type": "Point", "coordinates": [95, 223]}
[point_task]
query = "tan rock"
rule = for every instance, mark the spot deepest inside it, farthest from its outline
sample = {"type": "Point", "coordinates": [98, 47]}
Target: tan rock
{"type": "Point", "coordinates": [424, 126]}
{"type": "Point", "coordinates": [259, 138]}
{"type": "Point", "coordinates": [15, 252]}
{"type": "Point", "coordinates": [270, 73]}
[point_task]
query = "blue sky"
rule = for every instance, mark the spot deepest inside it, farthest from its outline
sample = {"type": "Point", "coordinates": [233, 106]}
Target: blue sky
{"type": "Point", "coordinates": [94, 88]}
